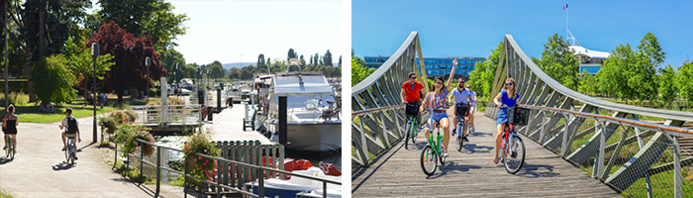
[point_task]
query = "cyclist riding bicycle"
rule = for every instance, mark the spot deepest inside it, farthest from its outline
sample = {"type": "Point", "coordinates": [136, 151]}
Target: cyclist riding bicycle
{"type": "Point", "coordinates": [508, 96]}
{"type": "Point", "coordinates": [437, 99]}
{"type": "Point", "coordinates": [71, 128]}
{"type": "Point", "coordinates": [462, 98]}
{"type": "Point", "coordinates": [472, 107]}
{"type": "Point", "coordinates": [411, 89]}
{"type": "Point", "coordinates": [9, 125]}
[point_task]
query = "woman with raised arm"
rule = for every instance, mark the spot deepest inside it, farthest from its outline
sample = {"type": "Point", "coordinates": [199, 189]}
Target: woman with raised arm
{"type": "Point", "coordinates": [436, 99]}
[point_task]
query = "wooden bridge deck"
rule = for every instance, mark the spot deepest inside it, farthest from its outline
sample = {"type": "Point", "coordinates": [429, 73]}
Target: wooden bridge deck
{"type": "Point", "coordinates": [472, 173]}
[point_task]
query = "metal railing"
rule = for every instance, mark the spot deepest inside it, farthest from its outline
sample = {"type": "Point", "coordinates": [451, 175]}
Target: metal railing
{"type": "Point", "coordinates": [168, 115]}
{"type": "Point", "coordinates": [243, 169]}
{"type": "Point", "coordinates": [379, 129]}
{"type": "Point", "coordinates": [571, 124]}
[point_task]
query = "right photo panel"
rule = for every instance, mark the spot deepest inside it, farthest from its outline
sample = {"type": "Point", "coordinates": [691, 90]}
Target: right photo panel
{"type": "Point", "coordinates": [521, 99]}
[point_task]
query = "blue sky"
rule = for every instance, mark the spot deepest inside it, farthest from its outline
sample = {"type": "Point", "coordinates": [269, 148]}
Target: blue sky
{"type": "Point", "coordinates": [473, 28]}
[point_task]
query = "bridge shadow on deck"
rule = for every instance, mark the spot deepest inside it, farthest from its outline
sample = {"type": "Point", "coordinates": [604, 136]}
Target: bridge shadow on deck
{"type": "Point", "coordinates": [451, 167]}
{"type": "Point", "coordinates": [537, 170]}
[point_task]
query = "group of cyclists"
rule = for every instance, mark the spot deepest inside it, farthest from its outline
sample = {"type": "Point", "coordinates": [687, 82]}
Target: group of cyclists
{"type": "Point", "coordinates": [10, 122]}
{"type": "Point", "coordinates": [412, 91]}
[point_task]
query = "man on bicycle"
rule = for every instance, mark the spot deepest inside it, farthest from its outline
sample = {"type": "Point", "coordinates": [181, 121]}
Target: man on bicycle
{"type": "Point", "coordinates": [412, 90]}
{"type": "Point", "coordinates": [462, 97]}
{"type": "Point", "coordinates": [71, 128]}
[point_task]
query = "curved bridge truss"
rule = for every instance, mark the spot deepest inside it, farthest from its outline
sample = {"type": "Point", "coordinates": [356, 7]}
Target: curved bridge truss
{"type": "Point", "coordinates": [375, 103]}
{"type": "Point", "coordinates": [570, 124]}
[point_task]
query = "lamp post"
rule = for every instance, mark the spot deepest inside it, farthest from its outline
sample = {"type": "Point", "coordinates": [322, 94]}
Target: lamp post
{"type": "Point", "coordinates": [147, 63]}
{"type": "Point", "coordinates": [175, 75]}
{"type": "Point", "coordinates": [95, 54]}
{"type": "Point", "coordinates": [6, 86]}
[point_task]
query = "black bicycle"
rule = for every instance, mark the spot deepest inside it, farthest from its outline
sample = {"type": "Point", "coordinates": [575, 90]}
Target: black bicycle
{"type": "Point", "coordinates": [461, 111]}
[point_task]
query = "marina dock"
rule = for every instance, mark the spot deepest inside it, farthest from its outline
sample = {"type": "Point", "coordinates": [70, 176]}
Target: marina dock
{"type": "Point", "coordinates": [228, 126]}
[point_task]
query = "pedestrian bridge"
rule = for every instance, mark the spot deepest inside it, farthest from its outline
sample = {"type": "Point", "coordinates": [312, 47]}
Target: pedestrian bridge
{"type": "Point", "coordinates": [576, 145]}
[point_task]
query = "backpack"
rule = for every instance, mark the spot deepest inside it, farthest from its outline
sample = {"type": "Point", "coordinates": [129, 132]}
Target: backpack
{"type": "Point", "coordinates": [71, 125]}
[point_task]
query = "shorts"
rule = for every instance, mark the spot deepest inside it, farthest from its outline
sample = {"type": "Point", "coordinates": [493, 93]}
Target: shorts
{"type": "Point", "coordinates": [73, 135]}
{"type": "Point", "coordinates": [436, 117]}
{"type": "Point", "coordinates": [502, 116]}
{"type": "Point", "coordinates": [472, 109]}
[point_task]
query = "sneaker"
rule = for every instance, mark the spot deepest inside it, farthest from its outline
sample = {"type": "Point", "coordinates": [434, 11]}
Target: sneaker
{"type": "Point", "coordinates": [465, 139]}
{"type": "Point", "coordinates": [4, 147]}
{"type": "Point", "coordinates": [76, 157]}
{"type": "Point", "coordinates": [64, 148]}
{"type": "Point", "coordinates": [454, 131]}
{"type": "Point", "coordinates": [445, 153]}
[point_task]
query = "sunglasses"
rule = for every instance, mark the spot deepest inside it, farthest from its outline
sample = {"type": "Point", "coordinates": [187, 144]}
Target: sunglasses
{"type": "Point", "coordinates": [506, 84]}
{"type": "Point", "coordinates": [412, 77]}
{"type": "Point", "coordinates": [439, 83]}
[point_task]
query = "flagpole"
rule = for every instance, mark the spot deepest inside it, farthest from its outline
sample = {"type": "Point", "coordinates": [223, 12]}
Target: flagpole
{"type": "Point", "coordinates": [566, 20]}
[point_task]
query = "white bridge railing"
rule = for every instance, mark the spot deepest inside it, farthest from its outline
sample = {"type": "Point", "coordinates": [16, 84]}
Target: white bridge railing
{"type": "Point", "coordinates": [166, 115]}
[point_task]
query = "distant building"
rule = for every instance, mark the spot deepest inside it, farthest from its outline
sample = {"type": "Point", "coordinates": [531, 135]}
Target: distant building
{"type": "Point", "coordinates": [435, 66]}
{"type": "Point", "coordinates": [589, 60]}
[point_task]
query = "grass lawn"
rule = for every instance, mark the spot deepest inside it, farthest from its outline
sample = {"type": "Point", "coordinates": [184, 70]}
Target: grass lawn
{"type": "Point", "coordinates": [29, 113]}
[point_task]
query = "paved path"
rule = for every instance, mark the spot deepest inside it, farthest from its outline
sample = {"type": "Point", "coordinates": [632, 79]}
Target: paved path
{"type": "Point", "coordinates": [38, 169]}
{"type": "Point", "coordinates": [228, 126]}
{"type": "Point", "coordinates": [471, 173]}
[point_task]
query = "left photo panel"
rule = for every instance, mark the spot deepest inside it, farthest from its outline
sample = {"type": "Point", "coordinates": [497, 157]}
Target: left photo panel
{"type": "Point", "coordinates": [173, 98]}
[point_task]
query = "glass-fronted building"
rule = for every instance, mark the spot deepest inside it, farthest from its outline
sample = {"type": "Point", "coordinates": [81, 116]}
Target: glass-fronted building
{"type": "Point", "coordinates": [590, 61]}
{"type": "Point", "coordinates": [435, 66]}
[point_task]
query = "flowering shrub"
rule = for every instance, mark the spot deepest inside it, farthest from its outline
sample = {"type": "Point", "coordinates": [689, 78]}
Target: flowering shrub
{"type": "Point", "coordinates": [128, 134]}
{"type": "Point", "coordinates": [108, 123]}
{"type": "Point", "coordinates": [199, 143]}
{"type": "Point", "coordinates": [117, 118]}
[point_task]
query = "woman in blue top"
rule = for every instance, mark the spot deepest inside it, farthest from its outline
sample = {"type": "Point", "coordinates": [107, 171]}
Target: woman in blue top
{"type": "Point", "coordinates": [508, 96]}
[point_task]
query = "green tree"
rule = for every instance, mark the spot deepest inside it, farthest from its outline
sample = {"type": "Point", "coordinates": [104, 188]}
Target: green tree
{"type": "Point", "coordinates": [588, 83]}
{"type": "Point", "coordinates": [359, 70]}
{"type": "Point", "coordinates": [311, 59]}
{"type": "Point", "coordinates": [684, 82]}
{"type": "Point", "coordinates": [483, 75]}
{"type": "Point", "coordinates": [613, 79]}
{"type": "Point", "coordinates": [667, 84]}
{"type": "Point", "coordinates": [316, 57]}
{"type": "Point", "coordinates": [80, 63]}
{"type": "Point", "coordinates": [143, 17]}
{"type": "Point", "coordinates": [642, 76]}
{"type": "Point", "coordinates": [558, 62]}
{"type": "Point", "coordinates": [340, 61]}
{"type": "Point", "coordinates": [292, 54]}
{"type": "Point", "coordinates": [235, 73]}
{"type": "Point", "coordinates": [327, 59]}
{"type": "Point", "coordinates": [302, 61]}
{"type": "Point", "coordinates": [216, 70]}
{"type": "Point", "coordinates": [56, 81]}
{"type": "Point", "coordinates": [246, 74]}
{"type": "Point", "coordinates": [170, 58]}
{"type": "Point", "coordinates": [261, 60]}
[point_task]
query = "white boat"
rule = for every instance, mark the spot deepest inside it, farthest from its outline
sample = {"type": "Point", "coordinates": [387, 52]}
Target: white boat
{"type": "Point", "coordinates": [299, 185]}
{"type": "Point", "coordinates": [313, 122]}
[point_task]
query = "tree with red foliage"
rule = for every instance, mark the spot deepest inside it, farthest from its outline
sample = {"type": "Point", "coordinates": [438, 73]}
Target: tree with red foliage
{"type": "Point", "coordinates": [129, 54]}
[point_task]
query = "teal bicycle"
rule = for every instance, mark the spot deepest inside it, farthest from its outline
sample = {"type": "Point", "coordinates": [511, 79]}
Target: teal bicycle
{"type": "Point", "coordinates": [433, 151]}
{"type": "Point", "coordinates": [411, 129]}
{"type": "Point", "coordinates": [9, 152]}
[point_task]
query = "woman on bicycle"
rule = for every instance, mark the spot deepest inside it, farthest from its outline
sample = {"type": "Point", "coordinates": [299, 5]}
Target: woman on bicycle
{"type": "Point", "coordinates": [9, 125]}
{"type": "Point", "coordinates": [437, 99]}
{"type": "Point", "coordinates": [508, 96]}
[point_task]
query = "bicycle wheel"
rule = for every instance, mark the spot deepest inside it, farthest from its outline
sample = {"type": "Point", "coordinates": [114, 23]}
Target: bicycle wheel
{"type": "Point", "coordinates": [460, 141]}
{"type": "Point", "coordinates": [429, 160]}
{"type": "Point", "coordinates": [72, 154]}
{"type": "Point", "coordinates": [407, 133]}
{"type": "Point", "coordinates": [10, 149]}
{"type": "Point", "coordinates": [516, 155]}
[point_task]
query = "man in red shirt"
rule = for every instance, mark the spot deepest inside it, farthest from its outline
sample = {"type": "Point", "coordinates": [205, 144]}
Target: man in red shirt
{"type": "Point", "coordinates": [411, 89]}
